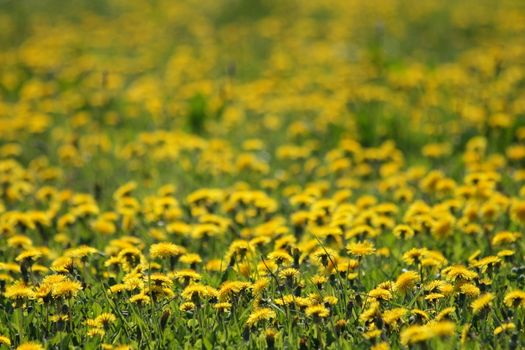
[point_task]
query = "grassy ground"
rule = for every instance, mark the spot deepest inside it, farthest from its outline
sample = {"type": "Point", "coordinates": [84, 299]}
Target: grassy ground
{"type": "Point", "coordinates": [262, 174]}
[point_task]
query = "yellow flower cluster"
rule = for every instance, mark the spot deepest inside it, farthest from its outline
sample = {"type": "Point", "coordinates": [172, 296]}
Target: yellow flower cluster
{"type": "Point", "coordinates": [264, 174]}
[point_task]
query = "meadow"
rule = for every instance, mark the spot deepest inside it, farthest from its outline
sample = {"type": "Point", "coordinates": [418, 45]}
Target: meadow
{"type": "Point", "coordinates": [262, 174]}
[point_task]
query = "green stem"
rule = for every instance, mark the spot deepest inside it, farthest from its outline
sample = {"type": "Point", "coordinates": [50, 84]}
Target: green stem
{"type": "Point", "coordinates": [20, 324]}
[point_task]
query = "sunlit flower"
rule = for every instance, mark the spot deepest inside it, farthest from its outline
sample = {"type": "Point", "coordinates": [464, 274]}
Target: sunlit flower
{"type": "Point", "coordinates": [317, 311]}
{"type": "Point", "coordinates": [30, 346]}
{"type": "Point", "coordinates": [406, 281]}
{"type": "Point", "coordinates": [515, 299]}
{"type": "Point", "coordinates": [417, 333]}
{"type": "Point", "coordinates": [361, 248]}
{"type": "Point", "coordinates": [66, 289]}
{"type": "Point", "coordinates": [5, 340]}
{"type": "Point", "coordinates": [259, 315]}
{"type": "Point", "coordinates": [19, 291]}
{"type": "Point", "coordinates": [483, 302]}
{"type": "Point", "coordinates": [504, 328]}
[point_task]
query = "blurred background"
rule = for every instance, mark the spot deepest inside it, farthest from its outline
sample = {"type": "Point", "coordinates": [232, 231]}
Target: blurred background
{"type": "Point", "coordinates": [164, 87]}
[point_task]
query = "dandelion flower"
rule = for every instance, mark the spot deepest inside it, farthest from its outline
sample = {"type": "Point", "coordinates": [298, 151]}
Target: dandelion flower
{"type": "Point", "coordinates": [259, 315]}
{"type": "Point", "coordinates": [288, 274]}
{"type": "Point", "coordinates": [445, 314]}
{"type": "Point", "coordinates": [403, 231]}
{"type": "Point", "coordinates": [459, 273]}
{"type": "Point", "coordinates": [5, 340]}
{"type": "Point", "coordinates": [104, 319]}
{"type": "Point", "coordinates": [515, 299]}
{"type": "Point", "coordinates": [391, 317]}
{"type": "Point", "coordinates": [30, 346]}
{"type": "Point", "coordinates": [504, 327]}
{"type": "Point", "coordinates": [19, 291]}
{"type": "Point", "coordinates": [187, 306]}
{"type": "Point", "coordinates": [280, 257]}
{"type": "Point", "coordinates": [483, 302]}
{"type": "Point", "coordinates": [414, 256]}
{"type": "Point", "coordinates": [406, 281]}
{"type": "Point", "coordinates": [361, 248]}
{"type": "Point", "coordinates": [470, 290]}
{"type": "Point", "coordinates": [66, 289]}
{"type": "Point", "coordinates": [140, 299]}
{"type": "Point", "coordinates": [166, 250]}
{"type": "Point", "coordinates": [420, 333]}
{"type": "Point", "coordinates": [317, 311]}
{"type": "Point", "coordinates": [223, 307]}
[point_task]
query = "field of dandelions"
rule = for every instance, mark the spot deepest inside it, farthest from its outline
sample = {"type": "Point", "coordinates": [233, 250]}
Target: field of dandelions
{"type": "Point", "coordinates": [262, 174]}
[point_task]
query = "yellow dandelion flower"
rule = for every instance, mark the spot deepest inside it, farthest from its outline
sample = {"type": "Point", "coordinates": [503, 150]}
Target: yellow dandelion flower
{"type": "Point", "coordinates": [403, 231]}
{"type": "Point", "coordinates": [372, 332]}
{"type": "Point", "coordinates": [317, 311]}
{"type": "Point", "coordinates": [414, 256]}
{"type": "Point", "coordinates": [506, 254]}
{"type": "Point", "coordinates": [361, 248]}
{"type": "Point", "coordinates": [195, 291]}
{"type": "Point", "coordinates": [63, 264]}
{"type": "Point", "coordinates": [459, 273]}
{"type": "Point", "coordinates": [186, 276]}
{"type": "Point", "coordinates": [289, 274]}
{"type": "Point", "coordinates": [380, 346]}
{"type": "Point", "coordinates": [187, 306]}
{"type": "Point", "coordinates": [238, 250]}
{"type": "Point", "coordinates": [319, 280]}
{"type": "Point", "coordinates": [232, 289]}
{"type": "Point", "coordinates": [260, 315]}
{"type": "Point", "coordinates": [465, 332]}
{"type": "Point", "coordinates": [504, 327]}
{"type": "Point", "coordinates": [330, 300]}
{"type": "Point", "coordinates": [190, 259]}
{"type": "Point", "coordinates": [285, 300]}
{"type": "Point", "coordinates": [140, 299]}
{"type": "Point", "coordinates": [391, 317]}
{"type": "Point", "coordinates": [515, 299]}
{"type": "Point", "coordinates": [30, 255]}
{"type": "Point", "coordinates": [5, 340]}
{"type": "Point", "coordinates": [483, 302]}
{"type": "Point", "coordinates": [30, 346]}
{"type": "Point", "coordinates": [414, 334]}
{"type": "Point", "coordinates": [223, 307]}
{"type": "Point", "coordinates": [406, 281]}
{"type": "Point", "coordinates": [280, 257]}
{"type": "Point", "coordinates": [370, 312]}
{"type": "Point", "coordinates": [445, 313]}
{"type": "Point", "coordinates": [117, 288]}
{"type": "Point", "coordinates": [124, 190]}
{"type": "Point", "coordinates": [518, 211]}
{"type": "Point", "coordinates": [325, 256]}
{"type": "Point", "coordinates": [80, 252]}
{"type": "Point", "coordinates": [166, 250]}
{"type": "Point", "coordinates": [442, 328]}
{"type": "Point", "coordinates": [487, 262]}
{"type": "Point", "coordinates": [158, 279]}
{"type": "Point", "coordinates": [420, 333]}
{"type": "Point", "coordinates": [469, 290]}
{"type": "Point", "coordinates": [380, 294]}
{"type": "Point", "coordinates": [420, 315]}
{"type": "Point", "coordinates": [505, 237]}
{"type": "Point", "coordinates": [104, 319]}
{"type": "Point", "coordinates": [96, 332]}
{"type": "Point", "coordinates": [19, 292]}
{"type": "Point", "coordinates": [66, 289]}
{"type": "Point", "coordinates": [216, 265]}
{"type": "Point", "coordinates": [434, 296]}
{"type": "Point", "coordinates": [260, 285]}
